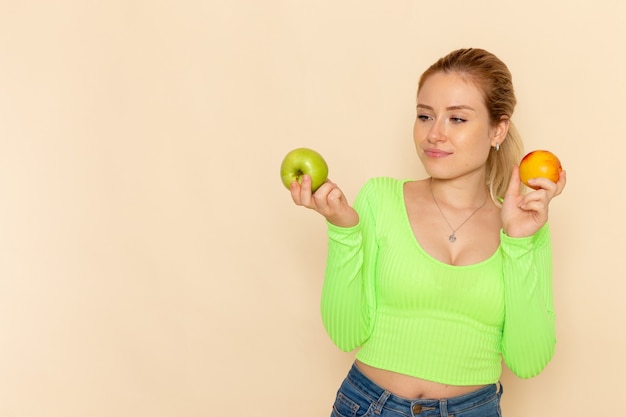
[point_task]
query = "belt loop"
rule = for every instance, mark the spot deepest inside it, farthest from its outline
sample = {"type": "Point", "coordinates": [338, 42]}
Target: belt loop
{"type": "Point", "coordinates": [381, 402]}
{"type": "Point", "coordinates": [443, 407]}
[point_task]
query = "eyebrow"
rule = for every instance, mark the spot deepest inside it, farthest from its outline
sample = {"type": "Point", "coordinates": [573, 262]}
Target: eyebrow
{"type": "Point", "coordinates": [459, 107]}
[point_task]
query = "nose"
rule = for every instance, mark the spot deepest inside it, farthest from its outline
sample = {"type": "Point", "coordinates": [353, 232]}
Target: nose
{"type": "Point", "coordinates": [436, 131]}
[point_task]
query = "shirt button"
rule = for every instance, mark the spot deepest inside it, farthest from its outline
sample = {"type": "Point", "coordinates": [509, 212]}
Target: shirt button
{"type": "Point", "coordinates": [417, 408]}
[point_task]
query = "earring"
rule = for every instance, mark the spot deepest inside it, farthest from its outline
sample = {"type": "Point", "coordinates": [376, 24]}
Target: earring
{"type": "Point", "coordinates": [497, 146]}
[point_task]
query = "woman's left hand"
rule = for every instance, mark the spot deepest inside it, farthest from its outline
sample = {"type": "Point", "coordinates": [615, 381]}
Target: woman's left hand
{"type": "Point", "coordinates": [524, 214]}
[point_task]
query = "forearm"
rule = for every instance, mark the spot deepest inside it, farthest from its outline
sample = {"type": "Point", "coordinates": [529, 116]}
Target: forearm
{"type": "Point", "coordinates": [529, 335]}
{"type": "Point", "coordinates": [344, 306]}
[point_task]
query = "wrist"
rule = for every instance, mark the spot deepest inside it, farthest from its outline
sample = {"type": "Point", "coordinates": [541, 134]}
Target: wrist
{"type": "Point", "coordinates": [346, 220]}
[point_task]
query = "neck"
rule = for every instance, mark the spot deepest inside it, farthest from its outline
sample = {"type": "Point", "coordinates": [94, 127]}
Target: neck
{"type": "Point", "coordinates": [460, 194]}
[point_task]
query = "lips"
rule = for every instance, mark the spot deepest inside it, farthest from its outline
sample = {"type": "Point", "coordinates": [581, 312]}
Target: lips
{"type": "Point", "coordinates": [435, 153]}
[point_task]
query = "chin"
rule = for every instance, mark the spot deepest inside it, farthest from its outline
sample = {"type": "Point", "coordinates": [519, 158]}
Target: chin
{"type": "Point", "coordinates": [438, 172]}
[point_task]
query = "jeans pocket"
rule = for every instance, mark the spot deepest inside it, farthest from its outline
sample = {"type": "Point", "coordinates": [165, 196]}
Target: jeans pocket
{"type": "Point", "coordinates": [490, 408]}
{"type": "Point", "coordinates": [344, 407]}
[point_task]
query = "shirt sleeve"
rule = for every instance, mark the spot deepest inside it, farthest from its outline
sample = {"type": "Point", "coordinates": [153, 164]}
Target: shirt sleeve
{"type": "Point", "coordinates": [348, 300]}
{"type": "Point", "coordinates": [529, 336]}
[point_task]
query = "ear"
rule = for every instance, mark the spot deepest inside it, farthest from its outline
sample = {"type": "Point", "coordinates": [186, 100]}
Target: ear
{"type": "Point", "coordinates": [499, 131]}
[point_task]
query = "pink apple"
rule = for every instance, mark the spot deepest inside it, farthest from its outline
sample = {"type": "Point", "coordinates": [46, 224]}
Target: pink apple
{"type": "Point", "coordinates": [537, 164]}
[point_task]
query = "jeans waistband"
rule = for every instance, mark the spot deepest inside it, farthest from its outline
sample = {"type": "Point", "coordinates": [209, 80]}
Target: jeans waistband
{"type": "Point", "coordinates": [371, 389]}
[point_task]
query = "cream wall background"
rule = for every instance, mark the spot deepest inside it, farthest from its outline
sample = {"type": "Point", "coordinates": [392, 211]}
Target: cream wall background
{"type": "Point", "coordinates": [151, 264]}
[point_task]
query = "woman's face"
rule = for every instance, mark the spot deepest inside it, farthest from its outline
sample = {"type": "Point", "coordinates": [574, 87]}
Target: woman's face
{"type": "Point", "coordinates": [453, 134]}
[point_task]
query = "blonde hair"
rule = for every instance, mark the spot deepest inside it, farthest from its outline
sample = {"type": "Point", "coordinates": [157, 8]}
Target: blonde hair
{"type": "Point", "coordinates": [494, 79]}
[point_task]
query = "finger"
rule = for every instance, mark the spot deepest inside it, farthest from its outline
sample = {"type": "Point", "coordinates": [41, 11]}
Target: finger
{"type": "Point", "coordinates": [537, 194]}
{"type": "Point", "coordinates": [514, 183]}
{"type": "Point", "coordinates": [325, 187]}
{"type": "Point", "coordinates": [321, 196]}
{"type": "Point", "coordinates": [294, 188]}
{"type": "Point", "coordinates": [536, 201]}
{"type": "Point", "coordinates": [305, 191]}
{"type": "Point", "coordinates": [335, 199]}
{"type": "Point", "coordinates": [535, 204]}
{"type": "Point", "coordinates": [560, 185]}
{"type": "Point", "coordinates": [541, 183]}
{"type": "Point", "coordinates": [329, 198]}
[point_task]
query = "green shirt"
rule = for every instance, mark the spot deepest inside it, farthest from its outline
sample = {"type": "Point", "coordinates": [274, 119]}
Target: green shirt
{"type": "Point", "coordinates": [410, 313]}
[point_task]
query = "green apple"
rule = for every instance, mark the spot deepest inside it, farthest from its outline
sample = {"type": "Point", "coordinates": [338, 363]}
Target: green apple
{"type": "Point", "coordinates": [304, 161]}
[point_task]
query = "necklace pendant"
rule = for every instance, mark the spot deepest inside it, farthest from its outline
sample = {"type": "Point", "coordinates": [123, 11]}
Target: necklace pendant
{"type": "Point", "coordinates": [452, 238]}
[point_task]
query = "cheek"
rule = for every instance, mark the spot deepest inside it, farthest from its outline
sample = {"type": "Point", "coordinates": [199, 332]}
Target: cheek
{"type": "Point", "coordinates": [481, 152]}
{"type": "Point", "coordinates": [419, 132]}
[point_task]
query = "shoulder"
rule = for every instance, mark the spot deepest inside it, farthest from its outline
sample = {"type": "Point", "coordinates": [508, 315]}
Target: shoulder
{"type": "Point", "coordinates": [380, 192]}
{"type": "Point", "coordinates": [383, 184]}
{"type": "Point", "coordinates": [393, 187]}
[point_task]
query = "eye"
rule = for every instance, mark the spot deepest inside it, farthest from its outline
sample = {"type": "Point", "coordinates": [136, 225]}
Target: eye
{"type": "Point", "coordinates": [423, 117]}
{"type": "Point", "coordinates": [457, 120]}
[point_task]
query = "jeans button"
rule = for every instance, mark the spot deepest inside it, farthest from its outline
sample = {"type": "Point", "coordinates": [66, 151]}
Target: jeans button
{"type": "Point", "coordinates": [417, 408]}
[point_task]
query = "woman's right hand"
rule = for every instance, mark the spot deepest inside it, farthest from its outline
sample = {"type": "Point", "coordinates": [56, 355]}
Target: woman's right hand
{"type": "Point", "coordinates": [328, 200]}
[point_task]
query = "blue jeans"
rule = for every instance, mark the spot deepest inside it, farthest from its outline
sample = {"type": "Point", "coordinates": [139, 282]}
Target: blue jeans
{"type": "Point", "coordinates": [358, 396]}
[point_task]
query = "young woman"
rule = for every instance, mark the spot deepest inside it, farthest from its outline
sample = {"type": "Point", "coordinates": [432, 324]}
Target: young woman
{"type": "Point", "coordinates": [435, 281]}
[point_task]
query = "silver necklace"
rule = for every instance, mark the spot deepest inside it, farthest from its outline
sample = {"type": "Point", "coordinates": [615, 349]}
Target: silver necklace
{"type": "Point", "coordinates": [452, 237]}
